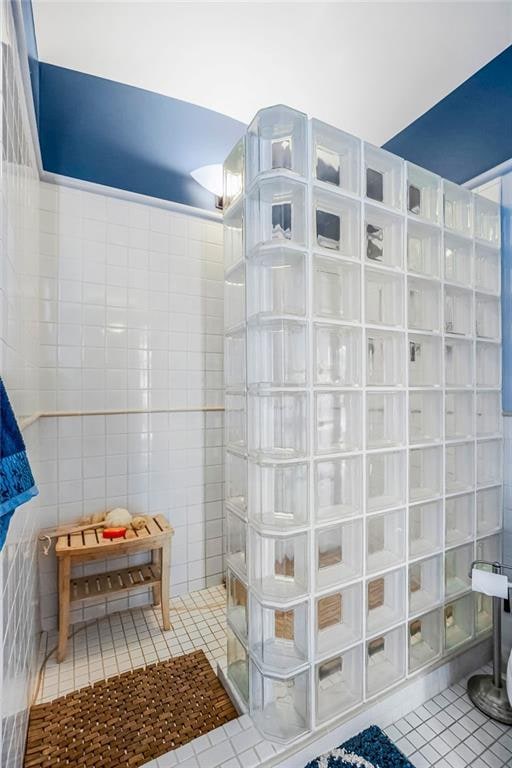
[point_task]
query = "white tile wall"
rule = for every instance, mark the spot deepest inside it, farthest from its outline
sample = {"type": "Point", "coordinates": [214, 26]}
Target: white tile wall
{"type": "Point", "coordinates": [131, 305]}
{"type": "Point", "coordinates": [131, 318]}
{"type": "Point", "coordinates": [19, 368]}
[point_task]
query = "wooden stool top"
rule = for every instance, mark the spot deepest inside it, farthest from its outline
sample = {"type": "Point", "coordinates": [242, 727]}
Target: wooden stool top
{"type": "Point", "coordinates": [91, 542]}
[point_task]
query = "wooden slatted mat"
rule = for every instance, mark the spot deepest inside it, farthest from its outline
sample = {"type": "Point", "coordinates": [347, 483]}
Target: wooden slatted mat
{"type": "Point", "coordinates": [125, 721]}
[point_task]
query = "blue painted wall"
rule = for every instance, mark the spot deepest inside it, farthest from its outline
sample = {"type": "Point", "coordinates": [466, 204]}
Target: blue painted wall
{"type": "Point", "coordinates": [469, 131]}
{"type": "Point", "coordinates": [506, 288]}
{"type": "Point", "coordinates": [125, 137]}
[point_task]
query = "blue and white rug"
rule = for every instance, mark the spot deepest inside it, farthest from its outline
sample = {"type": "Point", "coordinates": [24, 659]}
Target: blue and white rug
{"type": "Point", "coordinates": [369, 749]}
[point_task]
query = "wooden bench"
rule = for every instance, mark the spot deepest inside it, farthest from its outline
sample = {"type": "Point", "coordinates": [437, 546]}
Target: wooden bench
{"type": "Point", "coordinates": [88, 545]}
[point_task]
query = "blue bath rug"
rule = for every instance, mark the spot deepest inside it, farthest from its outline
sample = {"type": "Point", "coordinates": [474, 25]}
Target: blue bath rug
{"type": "Point", "coordinates": [369, 749]}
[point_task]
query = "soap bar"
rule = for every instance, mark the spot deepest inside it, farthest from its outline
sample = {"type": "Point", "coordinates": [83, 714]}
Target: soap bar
{"type": "Point", "coordinates": [114, 533]}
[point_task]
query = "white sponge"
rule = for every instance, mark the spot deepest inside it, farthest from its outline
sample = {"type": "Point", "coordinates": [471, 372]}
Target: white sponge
{"type": "Point", "coordinates": [118, 518]}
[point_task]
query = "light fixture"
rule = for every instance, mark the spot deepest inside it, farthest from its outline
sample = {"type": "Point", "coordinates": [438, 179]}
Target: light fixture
{"type": "Point", "coordinates": [210, 177]}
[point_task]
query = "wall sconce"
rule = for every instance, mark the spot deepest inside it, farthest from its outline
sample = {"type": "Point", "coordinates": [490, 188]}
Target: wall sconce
{"type": "Point", "coordinates": [210, 177]}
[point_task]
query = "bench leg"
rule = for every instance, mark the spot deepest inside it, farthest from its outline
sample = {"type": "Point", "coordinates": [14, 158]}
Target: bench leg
{"type": "Point", "coordinates": [164, 586]}
{"type": "Point", "coordinates": [156, 559]}
{"type": "Point", "coordinates": [64, 597]}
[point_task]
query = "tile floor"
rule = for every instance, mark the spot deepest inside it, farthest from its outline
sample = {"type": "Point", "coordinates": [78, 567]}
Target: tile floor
{"type": "Point", "coordinates": [446, 732]}
{"type": "Point", "coordinates": [124, 641]}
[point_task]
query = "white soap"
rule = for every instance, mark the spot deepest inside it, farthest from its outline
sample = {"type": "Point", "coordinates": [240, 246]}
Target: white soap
{"type": "Point", "coordinates": [492, 584]}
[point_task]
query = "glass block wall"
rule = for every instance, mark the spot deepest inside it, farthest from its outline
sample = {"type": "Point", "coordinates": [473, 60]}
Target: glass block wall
{"type": "Point", "coordinates": [363, 419]}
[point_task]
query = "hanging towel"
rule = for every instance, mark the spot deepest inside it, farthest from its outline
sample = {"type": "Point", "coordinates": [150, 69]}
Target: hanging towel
{"type": "Point", "coordinates": [16, 481]}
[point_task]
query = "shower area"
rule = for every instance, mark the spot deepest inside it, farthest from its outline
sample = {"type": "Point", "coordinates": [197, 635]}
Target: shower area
{"type": "Point", "coordinates": [363, 430]}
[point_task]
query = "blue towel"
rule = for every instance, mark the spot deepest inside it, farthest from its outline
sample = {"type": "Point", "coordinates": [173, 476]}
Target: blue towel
{"type": "Point", "coordinates": [16, 481]}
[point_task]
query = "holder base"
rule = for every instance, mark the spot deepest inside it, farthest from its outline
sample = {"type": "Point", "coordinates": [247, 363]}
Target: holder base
{"type": "Point", "coordinates": [490, 700]}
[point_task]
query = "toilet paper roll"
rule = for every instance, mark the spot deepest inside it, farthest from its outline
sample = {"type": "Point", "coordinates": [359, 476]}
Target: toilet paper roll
{"type": "Point", "coordinates": [492, 584]}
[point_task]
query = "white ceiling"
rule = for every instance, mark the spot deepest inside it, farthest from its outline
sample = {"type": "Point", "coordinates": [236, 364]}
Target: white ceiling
{"type": "Point", "coordinates": [370, 68]}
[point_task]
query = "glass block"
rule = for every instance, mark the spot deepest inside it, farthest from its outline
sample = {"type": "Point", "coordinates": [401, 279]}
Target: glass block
{"type": "Point", "coordinates": [338, 619]}
{"type": "Point", "coordinates": [424, 304]}
{"type": "Point", "coordinates": [237, 665]}
{"type": "Point", "coordinates": [458, 362]}
{"type": "Point", "coordinates": [336, 289]}
{"type": "Point", "coordinates": [385, 660]}
{"type": "Point", "coordinates": [383, 233]}
{"type": "Point", "coordinates": [338, 484]}
{"type": "Point", "coordinates": [233, 172]}
{"type": "Point", "coordinates": [336, 223]}
{"type": "Point", "coordinates": [457, 260]}
{"type": "Point", "coordinates": [488, 316]}
{"type": "Point", "coordinates": [489, 462]}
{"type": "Point", "coordinates": [425, 417]}
{"type": "Point", "coordinates": [339, 553]}
{"type": "Point", "coordinates": [459, 519]}
{"type": "Point", "coordinates": [483, 612]}
{"type": "Point", "coordinates": [276, 141]}
{"type": "Point", "coordinates": [233, 236]}
{"type": "Point", "coordinates": [236, 481]}
{"type": "Point", "coordinates": [459, 467]}
{"type": "Point", "coordinates": [385, 601]}
{"type": "Point", "coordinates": [276, 353]}
{"type": "Point", "coordinates": [280, 705]}
{"type": "Point", "coordinates": [234, 360]}
{"type": "Point", "coordinates": [279, 638]}
{"type": "Point", "coordinates": [423, 193]}
{"type": "Point", "coordinates": [339, 684]}
{"type": "Point", "coordinates": [487, 220]}
{"type": "Point", "coordinates": [489, 505]}
{"type": "Point", "coordinates": [487, 269]}
{"type": "Point", "coordinates": [384, 298]}
{"type": "Point", "coordinates": [276, 214]}
{"type": "Point", "coordinates": [488, 413]}
{"type": "Point", "coordinates": [337, 355]}
{"type": "Point", "coordinates": [279, 565]}
{"type": "Point", "coordinates": [234, 297]}
{"type": "Point", "coordinates": [425, 528]}
{"type": "Point", "coordinates": [385, 419]}
{"type": "Point", "coordinates": [488, 364]}
{"type": "Point", "coordinates": [385, 358]}
{"type": "Point", "coordinates": [458, 208]}
{"type": "Point", "coordinates": [383, 174]}
{"type": "Point", "coordinates": [237, 604]}
{"type": "Point", "coordinates": [457, 565]}
{"type": "Point", "coordinates": [236, 543]}
{"type": "Point", "coordinates": [277, 425]}
{"type": "Point", "coordinates": [424, 361]}
{"type": "Point", "coordinates": [279, 495]}
{"type": "Point", "coordinates": [425, 640]}
{"type": "Point", "coordinates": [338, 421]}
{"type": "Point", "coordinates": [425, 584]}
{"type": "Point", "coordinates": [425, 473]}
{"type": "Point", "coordinates": [489, 549]}
{"type": "Point", "coordinates": [423, 249]}
{"type": "Point", "coordinates": [385, 540]}
{"type": "Point", "coordinates": [235, 420]}
{"type": "Point", "coordinates": [458, 622]}
{"type": "Point", "coordinates": [385, 480]}
{"type": "Point", "coordinates": [277, 283]}
{"type": "Point", "coordinates": [336, 157]}
{"type": "Point", "coordinates": [458, 311]}
{"type": "Point", "coordinates": [459, 415]}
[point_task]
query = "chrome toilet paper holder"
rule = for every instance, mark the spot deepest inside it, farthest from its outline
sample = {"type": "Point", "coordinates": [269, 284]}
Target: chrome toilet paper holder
{"type": "Point", "coordinates": [488, 692]}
